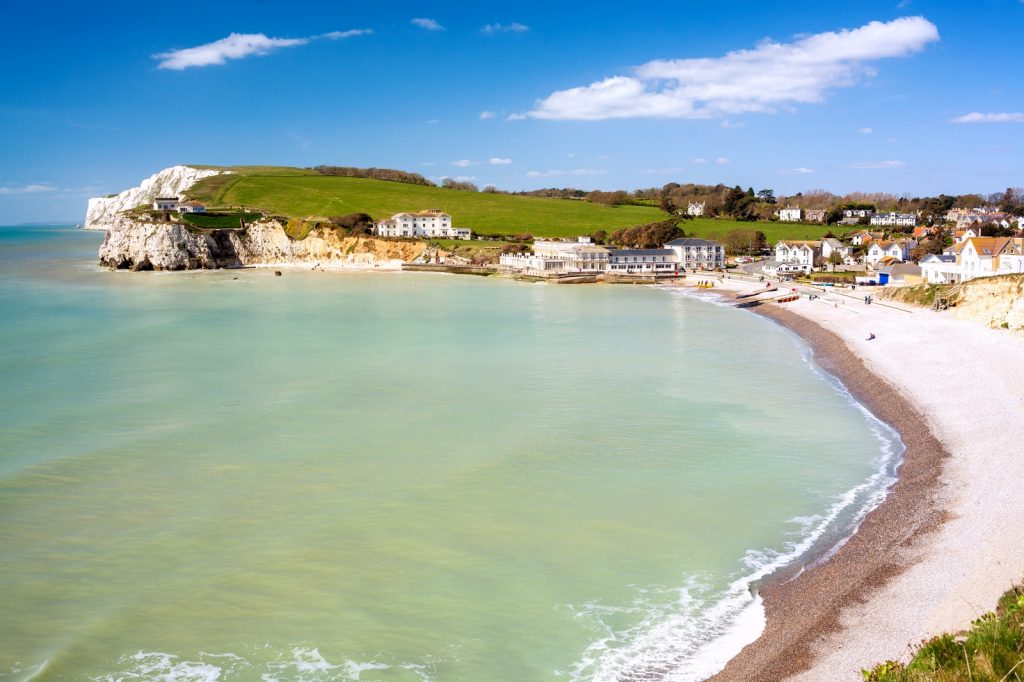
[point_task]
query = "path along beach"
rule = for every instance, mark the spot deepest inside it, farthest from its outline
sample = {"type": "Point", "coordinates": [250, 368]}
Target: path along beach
{"type": "Point", "coordinates": [949, 538]}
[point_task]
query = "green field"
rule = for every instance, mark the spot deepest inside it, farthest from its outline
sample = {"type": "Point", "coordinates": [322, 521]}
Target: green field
{"type": "Point", "coordinates": [712, 227]}
{"type": "Point", "coordinates": [321, 195]}
{"type": "Point", "coordinates": [297, 192]}
{"type": "Point", "coordinates": [221, 221]}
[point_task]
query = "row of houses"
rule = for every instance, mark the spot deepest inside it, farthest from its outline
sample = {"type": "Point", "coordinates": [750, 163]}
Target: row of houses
{"type": "Point", "coordinates": [585, 257]}
{"type": "Point", "coordinates": [792, 256]}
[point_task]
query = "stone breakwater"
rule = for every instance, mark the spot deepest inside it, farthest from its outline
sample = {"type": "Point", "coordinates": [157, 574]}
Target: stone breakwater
{"type": "Point", "coordinates": [136, 245]}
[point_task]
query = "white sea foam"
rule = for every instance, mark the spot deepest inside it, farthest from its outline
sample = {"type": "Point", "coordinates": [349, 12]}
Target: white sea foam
{"type": "Point", "coordinates": [694, 636]}
{"type": "Point", "coordinates": [295, 664]}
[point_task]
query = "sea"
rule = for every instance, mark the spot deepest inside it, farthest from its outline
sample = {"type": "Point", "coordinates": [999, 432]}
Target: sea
{"type": "Point", "coordinates": [232, 475]}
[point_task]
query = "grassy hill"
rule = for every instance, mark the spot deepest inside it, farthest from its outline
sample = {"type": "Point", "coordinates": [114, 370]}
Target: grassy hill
{"type": "Point", "coordinates": [293, 193]}
{"type": "Point", "coordinates": [303, 193]}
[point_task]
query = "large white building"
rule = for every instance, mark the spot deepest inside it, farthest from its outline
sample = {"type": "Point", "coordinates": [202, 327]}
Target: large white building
{"type": "Point", "coordinates": [432, 223]}
{"type": "Point", "coordinates": [895, 219]}
{"type": "Point", "coordinates": [880, 249]}
{"type": "Point", "coordinates": [555, 257]}
{"type": "Point", "coordinates": [698, 254]}
{"type": "Point", "coordinates": [642, 262]}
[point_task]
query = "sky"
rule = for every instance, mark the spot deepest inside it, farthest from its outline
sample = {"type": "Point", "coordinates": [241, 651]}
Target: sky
{"type": "Point", "coordinates": [913, 97]}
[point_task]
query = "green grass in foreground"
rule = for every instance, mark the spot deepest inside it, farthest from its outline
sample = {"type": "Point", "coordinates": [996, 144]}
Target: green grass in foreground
{"type": "Point", "coordinates": [991, 651]}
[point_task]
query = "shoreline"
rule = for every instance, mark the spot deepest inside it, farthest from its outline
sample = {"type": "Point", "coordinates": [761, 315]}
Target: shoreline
{"type": "Point", "coordinates": [946, 541]}
{"type": "Point", "coordinates": [800, 609]}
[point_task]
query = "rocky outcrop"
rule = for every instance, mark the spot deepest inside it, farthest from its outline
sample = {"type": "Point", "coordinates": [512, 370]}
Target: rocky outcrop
{"type": "Point", "coordinates": [170, 182]}
{"type": "Point", "coordinates": [135, 245]}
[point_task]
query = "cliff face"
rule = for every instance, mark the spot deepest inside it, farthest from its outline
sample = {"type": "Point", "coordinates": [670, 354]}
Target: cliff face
{"type": "Point", "coordinates": [170, 246]}
{"type": "Point", "coordinates": [170, 182]}
{"type": "Point", "coordinates": [993, 301]}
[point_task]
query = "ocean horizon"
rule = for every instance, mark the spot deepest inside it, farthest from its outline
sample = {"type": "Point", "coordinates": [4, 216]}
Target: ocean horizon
{"type": "Point", "coordinates": [400, 476]}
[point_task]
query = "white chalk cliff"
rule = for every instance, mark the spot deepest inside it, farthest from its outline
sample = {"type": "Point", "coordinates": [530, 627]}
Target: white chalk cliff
{"type": "Point", "coordinates": [170, 182]}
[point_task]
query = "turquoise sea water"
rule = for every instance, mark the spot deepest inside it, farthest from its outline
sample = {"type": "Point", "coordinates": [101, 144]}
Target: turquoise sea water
{"type": "Point", "coordinates": [236, 476]}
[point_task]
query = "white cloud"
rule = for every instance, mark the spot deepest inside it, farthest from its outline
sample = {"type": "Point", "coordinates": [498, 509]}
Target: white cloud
{"type": "Point", "coordinates": [865, 131]}
{"type": "Point", "coordinates": [514, 27]}
{"type": "Point", "coordinates": [239, 46]}
{"type": "Point", "coordinates": [432, 121]}
{"type": "Point", "coordinates": [721, 161]}
{"type": "Point", "coordinates": [428, 24]}
{"type": "Point", "coordinates": [699, 161]}
{"type": "Point", "coordinates": [976, 117]}
{"type": "Point", "coordinates": [495, 161]}
{"type": "Point", "coordinates": [464, 178]}
{"type": "Point", "coordinates": [484, 115]}
{"type": "Point", "coordinates": [875, 165]}
{"type": "Point", "coordinates": [762, 79]}
{"type": "Point", "coordinates": [465, 163]}
{"type": "Point", "coordinates": [352, 33]}
{"type": "Point", "coordinates": [428, 163]}
{"type": "Point", "coordinates": [28, 189]}
{"type": "Point", "coordinates": [796, 171]}
{"type": "Point", "coordinates": [730, 124]}
{"type": "Point", "coordinates": [554, 173]}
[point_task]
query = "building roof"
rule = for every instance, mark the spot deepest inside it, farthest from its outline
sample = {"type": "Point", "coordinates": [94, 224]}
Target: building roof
{"type": "Point", "coordinates": [166, 199]}
{"type": "Point", "coordinates": [428, 213]}
{"type": "Point", "coordinates": [693, 241]}
{"type": "Point", "coordinates": [833, 242]}
{"type": "Point", "coordinates": [941, 257]}
{"type": "Point", "coordinates": [800, 242]}
{"type": "Point", "coordinates": [901, 269]}
{"type": "Point", "coordinates": [641, 252]}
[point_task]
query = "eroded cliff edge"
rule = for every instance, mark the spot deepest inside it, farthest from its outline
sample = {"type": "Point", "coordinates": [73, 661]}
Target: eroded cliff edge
{"type": "Point", "coordinates": [132, 244]}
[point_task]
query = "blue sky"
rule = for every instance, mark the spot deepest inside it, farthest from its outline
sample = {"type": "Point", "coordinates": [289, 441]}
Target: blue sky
{"type": "Point", "coordinates": [864, 96]}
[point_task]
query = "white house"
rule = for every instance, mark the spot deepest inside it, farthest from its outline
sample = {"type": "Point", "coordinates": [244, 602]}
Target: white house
{"type": "Point", "coordinates": [857, 213]}
{"type": "Point", "coordinates": [191, 207]}
{"type": "Point", "coordinates": [698, 254]}
{"type": "Point", "coordinates": [790, 214]}
{"type": "Point", "coordinates": [940, 268]}
{"type": "Point", "coordinates": [831, 245]}
{"type": "Point", "coordinates": [165, 204]}
{"type": "Point", "coordinates": [898, 249]}
{"type": "Point", "coordinates": [695, 209]}
{"type": "Point", "coordinates": [863, 238]}
{"type": "Point", "coordinates": [642, 262]}
{"type": "Point", "coordinates": [973, 258]}
{"type": "Point", "coordinates": [800, 254]}
{"type": "Point", "coordinates": [960, 236]}
{"type": "Point", "coordinates": [430, 223]}
{"type": "Point", "coordinates": [895, 219]}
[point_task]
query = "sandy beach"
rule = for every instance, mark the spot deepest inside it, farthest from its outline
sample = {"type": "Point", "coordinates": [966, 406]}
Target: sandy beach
{"type": "Point", "coordinates": [948, 540]}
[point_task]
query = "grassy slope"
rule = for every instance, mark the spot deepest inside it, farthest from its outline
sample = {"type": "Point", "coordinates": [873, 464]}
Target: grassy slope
{"type": "Point", "coordinates": [991, 651]}
{"type": "Point", "coordinates": [303, 193]}
{"type": "Point", "coordinates": [486, 213]}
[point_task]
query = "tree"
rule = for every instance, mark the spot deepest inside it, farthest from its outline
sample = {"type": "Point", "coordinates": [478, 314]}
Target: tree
{"type": "Point", "coordinates": [743, 241]}
{"type": "Point", "coordinates": [650, 236]}
{"type": "Point", "coordinates": [599, 237]}
{"type": "Point", "coordinates": [766, 196]}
